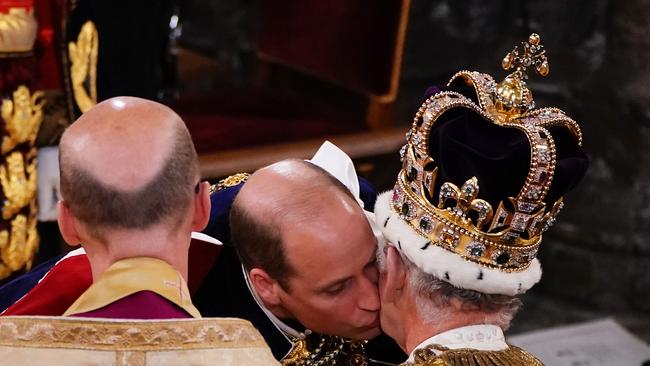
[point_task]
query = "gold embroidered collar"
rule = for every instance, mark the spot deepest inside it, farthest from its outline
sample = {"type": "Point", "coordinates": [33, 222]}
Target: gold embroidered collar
{"type": "Point", "coordinates": [437, 355]}
{"type": "Point", "coordinates": [131, 275]}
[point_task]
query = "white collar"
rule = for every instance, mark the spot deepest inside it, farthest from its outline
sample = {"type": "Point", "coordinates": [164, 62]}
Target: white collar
{"type": "Point", "coordinates": [482, 337]}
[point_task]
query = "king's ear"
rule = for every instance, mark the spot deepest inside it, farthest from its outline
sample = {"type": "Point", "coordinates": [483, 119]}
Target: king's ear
{"type": "Point", "coordinates": [394, 276]}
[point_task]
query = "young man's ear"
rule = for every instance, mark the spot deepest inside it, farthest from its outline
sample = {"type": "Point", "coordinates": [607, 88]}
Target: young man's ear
{"type": "Point", "coordinates": [68, 224]}
{"type": "Point", "coordinates": [202, 206]}
{"type": "Point", "coordinates": [394, 276]}
{"type": "Point", "coordinates": [266, 287]}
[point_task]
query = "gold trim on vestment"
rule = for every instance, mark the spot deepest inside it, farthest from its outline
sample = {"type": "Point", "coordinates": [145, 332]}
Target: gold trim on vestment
{"type": "Point", "coordinates": [131, 275]}
{"type": "Point", "coordinates": [129, 335]}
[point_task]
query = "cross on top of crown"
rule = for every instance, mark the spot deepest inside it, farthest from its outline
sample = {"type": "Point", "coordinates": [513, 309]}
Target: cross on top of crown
{"type": "Point", "coordinates": [528, 54]}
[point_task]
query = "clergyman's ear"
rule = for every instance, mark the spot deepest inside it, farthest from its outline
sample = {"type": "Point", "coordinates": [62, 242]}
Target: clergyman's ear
{"type": "Point", "coordinates": [202, 206]}
{"type": "Point", "coordinates": [266, 287]}
{"type": "Point", "coordinates": [395, 276]}
{"type": "Point", "coordinates": [68, 224]}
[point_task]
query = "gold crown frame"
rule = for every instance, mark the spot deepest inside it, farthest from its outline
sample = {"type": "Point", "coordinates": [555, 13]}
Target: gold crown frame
{"type": "Point", "coordinates": [459, 221]}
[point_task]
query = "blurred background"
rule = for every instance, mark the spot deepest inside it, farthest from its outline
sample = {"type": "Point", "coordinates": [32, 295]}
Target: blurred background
{"type": "Point", "coordinates": [260, 80]}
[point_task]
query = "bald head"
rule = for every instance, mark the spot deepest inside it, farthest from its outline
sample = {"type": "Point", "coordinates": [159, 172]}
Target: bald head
{"type": "Point", "coordinates": [122, 142]}
{"type": "Point", "coordinates": [280, 196]}
{"type": "Point", "coordinates": [127, 162]}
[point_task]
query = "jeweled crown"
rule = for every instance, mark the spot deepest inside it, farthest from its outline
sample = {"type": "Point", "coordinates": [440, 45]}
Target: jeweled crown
{"type": "Point", "coordinates": [456, 218]}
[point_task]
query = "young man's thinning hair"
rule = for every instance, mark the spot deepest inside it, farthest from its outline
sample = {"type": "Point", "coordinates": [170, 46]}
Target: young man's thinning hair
{"type": "Point", "coordinates": [165, 197]}
{"type": "Point", "coordinates": [257, 236]}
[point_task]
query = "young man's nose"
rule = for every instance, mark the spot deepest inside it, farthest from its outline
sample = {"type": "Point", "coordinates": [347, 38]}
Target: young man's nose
{"type": "Point", "coordinates": [369, 296]}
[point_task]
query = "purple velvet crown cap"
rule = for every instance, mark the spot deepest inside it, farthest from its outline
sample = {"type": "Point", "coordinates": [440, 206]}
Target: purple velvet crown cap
{"type": "Point", "coordinates": [464, 144]}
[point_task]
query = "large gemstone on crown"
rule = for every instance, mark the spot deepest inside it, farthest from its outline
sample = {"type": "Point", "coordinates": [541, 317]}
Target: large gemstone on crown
{"type": "Point", "coordinates": [501, 257]}
{"type": "Point", "coordinates": [426, 224]}
{"type": "Point", "coordinates": [449, 237]}
{"type": "Point", "coordinates": [475, 249]}
{"type": "Point", "coordinates": [408, 210]}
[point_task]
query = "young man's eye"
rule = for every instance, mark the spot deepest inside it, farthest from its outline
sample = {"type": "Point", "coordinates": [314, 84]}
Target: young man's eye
{"type": "Point", "coordinates": [335, 290]}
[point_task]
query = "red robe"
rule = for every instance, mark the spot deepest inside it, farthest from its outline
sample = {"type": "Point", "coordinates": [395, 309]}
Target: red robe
{"type": "Point", "coordinates": [56, 292]}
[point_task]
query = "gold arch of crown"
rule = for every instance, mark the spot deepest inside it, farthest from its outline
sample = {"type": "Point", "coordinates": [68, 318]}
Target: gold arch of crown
{"type": "Point", "coordinates": [508, 238]}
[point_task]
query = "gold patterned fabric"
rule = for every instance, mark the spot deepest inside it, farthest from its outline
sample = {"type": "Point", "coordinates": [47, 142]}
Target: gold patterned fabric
{"type": "Point", "coordinates": [75, 341]}
{"type": "Point", "coordinates": [512, 356]}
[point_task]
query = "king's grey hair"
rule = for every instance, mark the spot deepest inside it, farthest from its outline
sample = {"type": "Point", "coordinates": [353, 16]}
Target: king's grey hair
{"type": "Point", "coordinates": [434, 297]}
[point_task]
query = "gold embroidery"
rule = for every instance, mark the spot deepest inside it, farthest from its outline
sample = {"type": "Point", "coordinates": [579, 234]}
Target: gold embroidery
{"type": "Point", "coordinates": [83, 68]}
{"type": "Point", "coordinates": [512, 356]}
{"type": "Point", "coordinates": [297, 355]}
{"type": "Point", "coordinates": [133, 335]}
{"type": "Point", "coordinates": [330, 350]}
{"type": "Point", "coordinates": [137, 358]}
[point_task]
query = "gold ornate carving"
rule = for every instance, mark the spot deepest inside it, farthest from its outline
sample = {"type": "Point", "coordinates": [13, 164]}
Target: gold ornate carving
{"type": "Point", "coordinates": [18, 248]}
{"type": "Point", "coordinates": [4, 271]}
{"type": "Point", "coordinates": [18, 184]}
{"type": "Point", "coordinates": [512, 356]}
{"type": "Point", "coordinates": [17, 30]}
{"type": "Point", "coordinates": [23, 116]}
{"type": "Point", "coordinates": [83, 68]}
{"type": "Point", "coordinates": [132, 336]}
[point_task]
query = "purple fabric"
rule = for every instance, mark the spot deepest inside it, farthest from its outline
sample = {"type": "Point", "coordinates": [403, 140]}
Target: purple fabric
{"type": "Point", "coordinates": [140, 305]}
{"type": "Point", "coordinates": [430, 91]}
